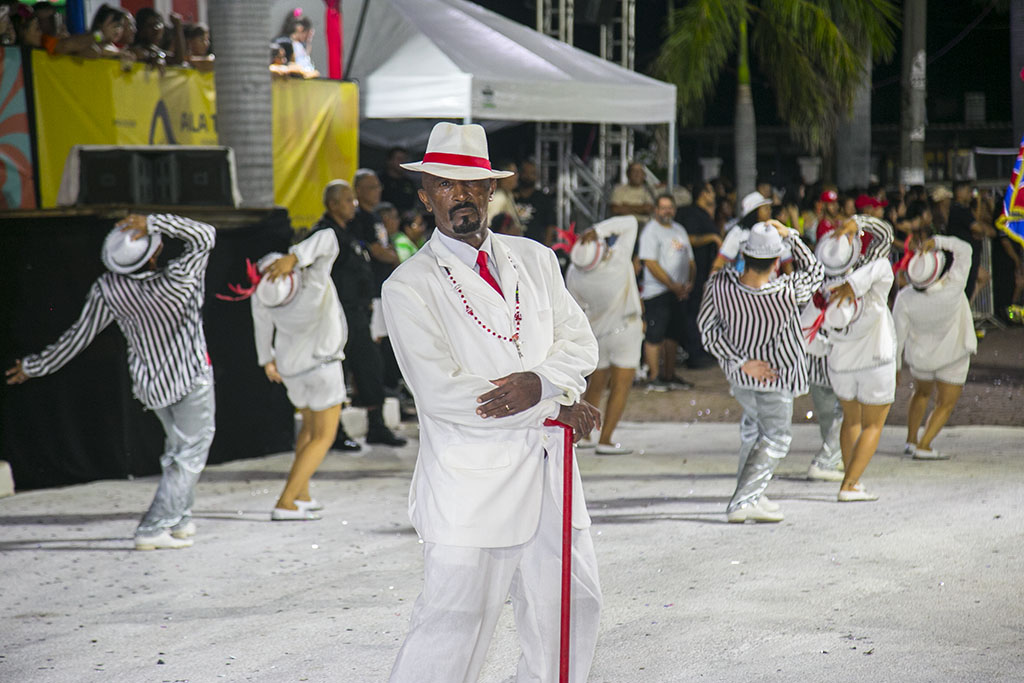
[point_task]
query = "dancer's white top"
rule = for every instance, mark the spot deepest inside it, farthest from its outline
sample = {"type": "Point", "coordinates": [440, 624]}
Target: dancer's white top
{"type": "Point", "coordinates": [608, 294]}
{"type": "Point", "coordinates": [935, 327]}
{"type": "Point", "coordinates": [869, 341]}
{"type": "Point", "coordinates": [478, 482]}
{"type": "Point", "coordinates": [311, 328]}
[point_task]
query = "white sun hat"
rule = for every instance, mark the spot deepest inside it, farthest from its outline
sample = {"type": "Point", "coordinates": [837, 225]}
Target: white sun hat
{"type": "Point", "coordinates": [839, 316]}
{"type": "Point", "coordinates": [123, 254]}
{"type": "Point", "coordinates": [764, 241]}
{"type": "Point", "coordinates": [925, 268]}
{"type": "Point", "coordinates": [838, 253]}
{"type": "Point", "coordinates": [279, 292]}
{"type": "Point", "coordinates": [752, 202]}
{"type": "Point", "coordinates": [458, 152]}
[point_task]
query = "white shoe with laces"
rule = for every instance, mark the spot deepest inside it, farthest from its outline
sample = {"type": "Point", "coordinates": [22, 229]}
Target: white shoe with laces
{"type": "Point", "coordinates": [186, 530]}
{"type": "Point", "coordinates": [161, 541]}
{"type": "Point", "coordinates": [820, 474]}
{"type": "Point", "coordinates": [755, 513]}
{"type": "Point", "coordinates": [768, 504]}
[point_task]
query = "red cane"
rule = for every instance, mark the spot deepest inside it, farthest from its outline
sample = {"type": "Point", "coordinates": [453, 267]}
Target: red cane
{"type": "Point", "coordinates": [563, 649]}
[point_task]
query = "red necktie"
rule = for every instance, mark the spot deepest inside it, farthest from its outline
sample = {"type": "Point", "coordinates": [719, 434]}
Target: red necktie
{"type": "Point", "coordinates": [485, 273]}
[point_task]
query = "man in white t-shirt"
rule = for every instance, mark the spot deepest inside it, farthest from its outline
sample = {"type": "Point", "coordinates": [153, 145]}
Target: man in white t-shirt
{"type": "Point", "coordinates": [669, 273]}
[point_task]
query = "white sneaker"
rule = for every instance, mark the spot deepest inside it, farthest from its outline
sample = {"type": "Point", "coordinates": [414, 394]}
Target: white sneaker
{"type": "Point", "coordinates": [311, 504]}
{"type": "Point", "coordinates": [768, 504]}
{"type": "Point", "coordinates": [161, 541]}
{"type": "Point", "coordinates": [286, 515]}
{"type": "Point", "coordinates": [585, 444]}
{"type": "Point", "coordinates": [930, 454]}
{"type": "Point", "coordinates": [755, 513]}
{"type": "Point", "coordinates": [857, 494]}
{"type": "Point", "coordinates": [612, 449]}
{"type": "Point", "coordinates": [186, 530]}
{"type": "Point", "coordinates": [821, 474]}
{"type": "Point", "coordinates": [909, 448]}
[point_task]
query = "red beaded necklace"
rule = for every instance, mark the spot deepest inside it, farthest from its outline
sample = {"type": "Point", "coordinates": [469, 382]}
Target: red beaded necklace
{"type": "Point", "coordinates": [517, 317]}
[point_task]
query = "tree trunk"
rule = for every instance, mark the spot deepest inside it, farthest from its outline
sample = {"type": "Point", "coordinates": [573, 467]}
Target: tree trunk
{"type": "Point", "coordinates": [853, 139]}
{"type": "Point", "coordinates": [1017, 66]}
{"type": "Point", "coordinates": [240, 28]}
{"type": "Point", "coordinates": [912, 87]}
{"type": "Point", "coordinates": [745, 125]}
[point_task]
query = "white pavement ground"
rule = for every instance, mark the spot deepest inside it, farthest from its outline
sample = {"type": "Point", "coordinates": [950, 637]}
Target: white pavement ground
{"type": "Point", "coordinates": [923, 585]}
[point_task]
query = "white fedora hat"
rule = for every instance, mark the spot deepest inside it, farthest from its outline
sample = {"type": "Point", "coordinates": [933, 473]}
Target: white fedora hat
{"type": "Point", "coordinates": [764, 241]}
{"type": "Point", "coordinates": [753, 201]}
{"type": "Point", "coordinates": [279, 292]}
{"type": "Point", "coordinates": [839, 316]}
{"type": "Point", "coordinates": [123, 254]}
{"type": "Point", "coordinates": [838, 253]}
{"type": "Point", "coordinates": [925, 268]}
{"type": "Point", "coordinates": [458, 152]}
{"type": "Point", "coordinates": [587, 256]}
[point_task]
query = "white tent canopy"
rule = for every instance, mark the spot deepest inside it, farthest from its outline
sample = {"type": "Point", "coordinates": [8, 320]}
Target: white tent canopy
{"type": "Point", "coordinates": [451, 59]}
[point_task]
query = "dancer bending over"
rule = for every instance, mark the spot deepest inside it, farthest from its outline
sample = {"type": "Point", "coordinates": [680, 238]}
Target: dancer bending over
{"type": "Point", "coordinates": [935, 332]}
{"type": "Point", "coordinates": [862, 358]}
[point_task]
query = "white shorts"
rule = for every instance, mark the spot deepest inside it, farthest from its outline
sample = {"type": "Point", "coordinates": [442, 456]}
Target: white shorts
{"type": "Point", "coordinates": [871, 387]}
{"type": "Point", "coordinates": [954, 373]}
{"type": "Point", "coordinates": [621, 348]}
{"type": "Point", "coordinates": [317, 389]}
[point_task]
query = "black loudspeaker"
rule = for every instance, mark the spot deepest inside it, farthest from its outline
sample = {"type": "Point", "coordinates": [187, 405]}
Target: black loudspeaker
{"type": "Point", "coordinates": [114, 176]}
{"type": "Point", "coordinates": [185, 176]}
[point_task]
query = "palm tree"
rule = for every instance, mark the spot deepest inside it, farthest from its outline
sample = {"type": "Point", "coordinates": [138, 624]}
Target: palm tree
{"type": "Point", "coordinates": [243, 94]}
{"type": "Point", "coordinates": [810, 51]}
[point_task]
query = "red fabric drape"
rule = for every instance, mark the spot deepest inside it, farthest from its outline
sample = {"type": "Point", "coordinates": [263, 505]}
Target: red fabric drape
{"type": "Point", "coordinates": [332, 22]}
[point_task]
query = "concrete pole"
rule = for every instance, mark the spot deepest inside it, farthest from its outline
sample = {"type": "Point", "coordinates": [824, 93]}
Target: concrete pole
{"type": "Point", "coordinates": [912, 91]}
{"type": "Point", "coordinates": [243, 94]}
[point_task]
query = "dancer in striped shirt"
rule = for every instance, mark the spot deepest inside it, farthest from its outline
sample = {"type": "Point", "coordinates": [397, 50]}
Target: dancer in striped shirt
{"type": "Point", "coordinates": [159, 312]}
{"type": "Point", "coordinates": [751, 324]}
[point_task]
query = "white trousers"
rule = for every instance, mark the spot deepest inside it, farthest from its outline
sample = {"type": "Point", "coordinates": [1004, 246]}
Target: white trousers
{"type": "Point", "coordinates": [465, 589]}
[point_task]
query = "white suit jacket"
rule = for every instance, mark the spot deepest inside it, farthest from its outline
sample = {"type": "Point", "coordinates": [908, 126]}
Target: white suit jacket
{"type": "Point", "coordinates": [311, 329]}
{"type": "Point", "coordinates": [479, 482]}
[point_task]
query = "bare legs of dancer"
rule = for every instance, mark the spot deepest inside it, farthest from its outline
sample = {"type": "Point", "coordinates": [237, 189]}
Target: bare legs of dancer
{"type": "Point", "coordinates": [319, 428]}
{"type": "Point", "coordinates": [862, 428]}
{"type": "Point", "coordinates": [945, 401]}
{"type": "Point", "coordinates": [621, 380]}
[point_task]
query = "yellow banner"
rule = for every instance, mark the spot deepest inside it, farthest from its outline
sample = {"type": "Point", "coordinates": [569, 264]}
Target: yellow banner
{"type": "Point", "coordinates": [96, 102]}
{"type": "Point", "coordinates": [316, 140]}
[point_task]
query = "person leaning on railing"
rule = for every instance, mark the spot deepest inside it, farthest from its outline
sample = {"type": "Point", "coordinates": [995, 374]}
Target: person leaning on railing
{"type": "Point", "coordinates": [93, 44]}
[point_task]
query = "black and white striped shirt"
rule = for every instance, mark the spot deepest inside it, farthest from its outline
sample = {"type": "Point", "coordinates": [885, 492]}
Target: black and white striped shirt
{"type": "Point", "coordinates": [159, 312]}
{"type": "Point", "coordinates": [738, 323]}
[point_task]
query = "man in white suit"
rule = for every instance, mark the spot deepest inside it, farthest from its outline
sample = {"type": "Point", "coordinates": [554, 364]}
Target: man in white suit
{"type": "Point", "coordinates": [491, 344]}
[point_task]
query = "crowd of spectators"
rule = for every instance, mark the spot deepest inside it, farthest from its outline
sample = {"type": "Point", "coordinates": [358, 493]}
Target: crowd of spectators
{"type": "Point", "coordinates": [113, 34]}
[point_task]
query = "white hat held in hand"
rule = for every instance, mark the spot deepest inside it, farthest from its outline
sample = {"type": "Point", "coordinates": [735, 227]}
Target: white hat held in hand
{"type": "Point", "coordinates": [458, 152]}
{"type": "Point", "coordinates": [764, 241]}
{"type": "Point", "coordinates": [838, 253]}
{"type": "Point", "coordinates": [588, 255]}
{"type": "Point", "coordinates": [841, 315]}
{"type": "Point", "coordinates": [279, 292]}
{"type": "Point", "coordinates": [123, 254]}
{"type": "Point", "coordinates": [752, 202]}
{"type": "Point", "coordinates": [925, 268]}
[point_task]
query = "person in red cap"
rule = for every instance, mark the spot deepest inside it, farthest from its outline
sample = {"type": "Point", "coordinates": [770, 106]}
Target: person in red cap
{"type": "Point", "coordinates": [492, 345]}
